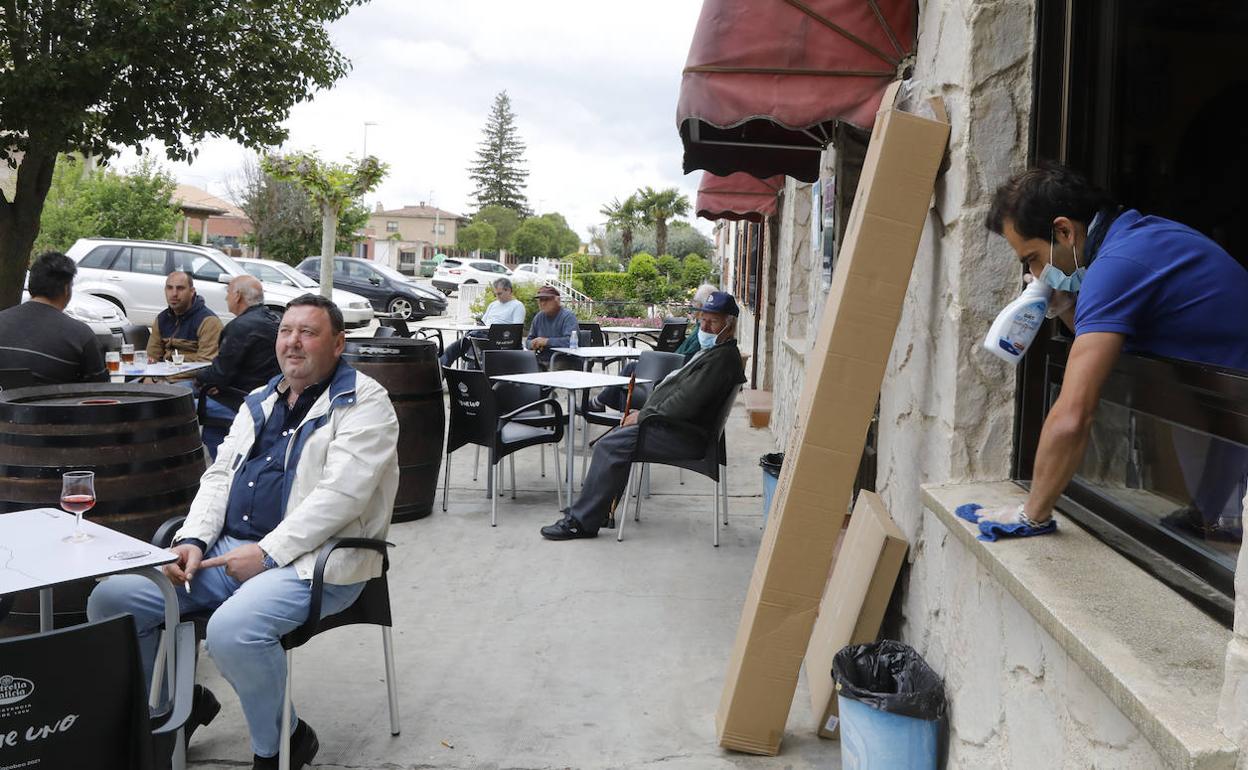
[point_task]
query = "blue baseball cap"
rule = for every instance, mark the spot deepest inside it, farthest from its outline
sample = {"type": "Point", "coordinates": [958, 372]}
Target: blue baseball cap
{"type": "Point", "coordinates": [721, 302]}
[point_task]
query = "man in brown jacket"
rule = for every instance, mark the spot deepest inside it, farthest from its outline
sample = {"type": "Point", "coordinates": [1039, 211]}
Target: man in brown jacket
{"type": "Point", "coordinates": [186, 325]}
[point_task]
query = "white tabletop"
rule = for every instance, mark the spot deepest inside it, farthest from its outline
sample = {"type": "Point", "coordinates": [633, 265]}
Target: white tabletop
{"type": "Point", "coordinates": [33, 554]}
{"type": "Point", "coordinates": [447, 325]}
{"type": "Point", "coordinates": [629, 330]}
{"type": "Point", "coordinates": [162, 369]}
{"type": "Point", "coordinates": [569, 379]}
{"type": "Point", "coordinates": [601, 351]}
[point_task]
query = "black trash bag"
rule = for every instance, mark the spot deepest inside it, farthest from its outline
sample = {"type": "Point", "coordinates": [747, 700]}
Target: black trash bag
{"type": "Point", "coordinates": [771, 463]}
{"type": "Point", "coordinates": [890, 676]}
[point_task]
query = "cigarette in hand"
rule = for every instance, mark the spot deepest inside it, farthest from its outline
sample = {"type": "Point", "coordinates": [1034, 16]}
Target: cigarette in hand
{"type": "Point", "coordinates": [187, 584]}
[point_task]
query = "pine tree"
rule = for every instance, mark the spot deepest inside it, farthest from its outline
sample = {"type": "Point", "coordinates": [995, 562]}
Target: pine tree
{"type": "Point", "coordinates": [499, 171]}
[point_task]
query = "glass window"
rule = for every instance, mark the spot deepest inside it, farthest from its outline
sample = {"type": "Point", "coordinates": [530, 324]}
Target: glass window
{"type": "Point", "coordinates": [392, 226]}
{"type": "Point", "coordinates": [451, 263]}
{"type": "Point", "coordinates": [148, 261]}
{"type": "Point", "coordinates": [99, 257]}
{"type": "Point", "coordinates": [201, 267]}
{"type": "Point", "coordinates": [361, 271]}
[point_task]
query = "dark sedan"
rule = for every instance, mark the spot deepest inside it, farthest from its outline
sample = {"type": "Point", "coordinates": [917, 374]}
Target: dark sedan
{"type": "Point", "coordinates": [387, 289]}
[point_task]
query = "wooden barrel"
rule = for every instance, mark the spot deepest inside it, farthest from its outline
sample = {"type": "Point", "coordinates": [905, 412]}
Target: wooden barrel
{"type": "Point", "coordinates": [409, 371]}
{"type": "Point", "coordinates": [142, 441]}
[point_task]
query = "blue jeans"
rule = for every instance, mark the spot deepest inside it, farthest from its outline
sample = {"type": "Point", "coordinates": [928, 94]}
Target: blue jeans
{"type": "Point", "coordinates": [247, 621]}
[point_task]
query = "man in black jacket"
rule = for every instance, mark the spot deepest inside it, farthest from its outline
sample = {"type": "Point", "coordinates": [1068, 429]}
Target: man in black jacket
{"type": "Point", "coordinates": [247, 357]}
{"type": "Point", "coordinates": [694, 394]}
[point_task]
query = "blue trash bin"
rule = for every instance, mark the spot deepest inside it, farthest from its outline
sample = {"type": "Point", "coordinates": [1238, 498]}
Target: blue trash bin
{"type": "Point", "coordinates": [891, 706]}
{"type": "Point", "coordinates": [771, 476]}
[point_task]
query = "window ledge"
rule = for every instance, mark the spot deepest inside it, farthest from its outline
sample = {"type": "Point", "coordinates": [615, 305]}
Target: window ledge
{"type": "Point", "coordinates": [797, 346]}
{"type": "Point", "coordinates": [1160, 660]}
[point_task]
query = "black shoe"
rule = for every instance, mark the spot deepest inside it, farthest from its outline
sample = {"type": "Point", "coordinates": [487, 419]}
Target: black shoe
{"type": "Point", "coordinates": [303, 747]}
{"type": "Point", "coordinates": [204, 708]}
{"type": "Point", "coordinates": [567, 528]}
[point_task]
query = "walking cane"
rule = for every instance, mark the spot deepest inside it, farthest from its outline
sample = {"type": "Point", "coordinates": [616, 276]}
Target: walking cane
{"type": "Point", "coordinates": [628, 402]}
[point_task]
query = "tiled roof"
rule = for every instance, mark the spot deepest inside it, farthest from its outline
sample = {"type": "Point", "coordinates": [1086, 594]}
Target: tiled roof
{"type": "Point", "coordinates": [191, 197]}
{"type": "Point", "coordinates": [417, 212]}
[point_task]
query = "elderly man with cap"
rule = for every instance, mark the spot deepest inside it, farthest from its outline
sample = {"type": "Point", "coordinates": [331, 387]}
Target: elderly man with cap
{"type": "Point", "coordinates": [693, 393]}
{"type": "Point", "coordinates": [552, 327]}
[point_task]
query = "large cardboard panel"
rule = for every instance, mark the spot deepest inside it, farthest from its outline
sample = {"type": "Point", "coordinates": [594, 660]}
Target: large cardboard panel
{"type": "Point", "coordinates": [843, 374]}
{"type": "Point", "coordinates": [854, 603]}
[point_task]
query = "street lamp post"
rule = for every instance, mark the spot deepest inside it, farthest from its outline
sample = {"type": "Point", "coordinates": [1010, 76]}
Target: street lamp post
{"type": "Point", "coordinates": [367, 123]}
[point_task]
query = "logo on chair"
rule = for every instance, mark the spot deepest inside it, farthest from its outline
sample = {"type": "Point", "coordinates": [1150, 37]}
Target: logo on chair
{"type": "Point", "coordinates": [463, 388]}
{"type": "Point", "coordinates": [14, 689]}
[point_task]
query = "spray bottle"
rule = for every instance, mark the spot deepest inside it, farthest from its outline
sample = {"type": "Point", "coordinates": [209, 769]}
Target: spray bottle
{"type": "Point", "coordinates": [1017, 324]}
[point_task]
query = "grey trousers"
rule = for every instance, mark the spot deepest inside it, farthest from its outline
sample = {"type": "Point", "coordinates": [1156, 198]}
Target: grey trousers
{"type": "Point", "coordinates": [606, 478]}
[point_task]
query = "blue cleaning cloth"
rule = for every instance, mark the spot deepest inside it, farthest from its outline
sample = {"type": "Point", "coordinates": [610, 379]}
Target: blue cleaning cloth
{"type": "Point", "coordinates": [989, 531]}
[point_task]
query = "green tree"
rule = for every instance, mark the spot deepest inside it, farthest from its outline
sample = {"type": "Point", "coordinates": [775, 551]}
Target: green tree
{"type": "Point", "coordinates": [648, 285]}
{"type": "Point", "coordinates": [565, 241]}
{"type": "Point", "coordinates": [659, 206]}
{"type": "Point", "coordinates": [95, 75]}
{"type": "Point", "coordinates": [696, 271]}
{"type": "Point", "coordinates": [505, 222]}
{"type": "Point", "coordinates": [623, 217]}
{"type": "Point", "coordinates": [332, 187]}
{"type": "Point", "coordinates": [477, 236]}
{"type": "Point", "coordinates": [534, 238]}
{"type": "Point", "coordinates": [498, 171]}
{"type": "Point", "coordinates": [682, 238]}
{"type": "Point", "coordinates": [84, 202]}
{"type": "Point", "coordinates": [669, 267]}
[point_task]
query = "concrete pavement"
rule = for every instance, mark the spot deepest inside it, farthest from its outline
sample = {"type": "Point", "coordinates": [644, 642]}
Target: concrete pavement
{"type": "Point", "coordinates": [515, 652]}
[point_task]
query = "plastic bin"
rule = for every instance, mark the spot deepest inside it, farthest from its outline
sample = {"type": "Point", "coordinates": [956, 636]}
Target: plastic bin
{"type": "Point", "coordinates": [771, 476]}
{"type": "Point", "coordinates": [892, 707]}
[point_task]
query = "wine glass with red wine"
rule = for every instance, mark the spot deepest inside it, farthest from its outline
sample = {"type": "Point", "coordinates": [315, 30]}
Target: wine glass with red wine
{"type": "Point", "coordinates": [78, 497]}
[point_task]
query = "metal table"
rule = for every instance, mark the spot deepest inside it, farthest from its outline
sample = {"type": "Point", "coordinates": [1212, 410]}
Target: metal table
{"type": "Point", "coordinates": [158, 370]}
{"type": "Point", "coordinates": [571, 381]}
{"type": "Point", "coordinates": [598, 353]}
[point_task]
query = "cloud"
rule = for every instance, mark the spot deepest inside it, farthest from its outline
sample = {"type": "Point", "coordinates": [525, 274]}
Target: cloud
{"type": "Point", "coordinates": [594, 86]}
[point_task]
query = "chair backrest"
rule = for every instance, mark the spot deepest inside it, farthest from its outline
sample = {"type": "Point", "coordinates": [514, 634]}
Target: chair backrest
{"type": "Point", "coordinates": [474, 414]}
{"type": "Point", "coordinates": [16, 378]}
{"type": "Point", "coordinates": [136, 335]}
{"type": "Point", "coordinates": [596, 337]}
{"type": "Point", "coordinates": [399, 326]}
{"type": "Point", "coordinates": [512, 395]}
{"type": "Point", "coordinates": [654, 366]}
{"type": "Point", "coordinates": [82, 698]}
{"type": "Point", "coordinates": [671, 335]}
{"type": "Point", "coordinates": [384, 331]}
{"type": "Point", "coordinates": [506, 336]}
{"type": "Point", "coordinates": [425, 333]}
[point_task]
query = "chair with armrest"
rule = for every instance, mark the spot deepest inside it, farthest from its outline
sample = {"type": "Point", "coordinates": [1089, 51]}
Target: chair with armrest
{"type": "Point", "coordinates": [477, 418]}
{"type": "Point", "coordinates": [398, 325]}
{"type": "Point", "coordinates": [83, 696]}
{"type": "Point", "coordinates": [434, 335]}
{"type": "Point", "coordinates": [384, 332]}
{"type": "Point", "coordinates": [702, 449]}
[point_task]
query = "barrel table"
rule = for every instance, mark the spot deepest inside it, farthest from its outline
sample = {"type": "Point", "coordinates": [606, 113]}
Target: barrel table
{"type": "Point", "coordinates": [409, 371]}
{"type": "Point", "coordinates": [142, 441]}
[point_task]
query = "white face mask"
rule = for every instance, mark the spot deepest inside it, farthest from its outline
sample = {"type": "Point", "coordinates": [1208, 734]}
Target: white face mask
{"type": "Point", "coordinates": [706, 339]}
{"type": "Point", "coordinates": [1059, 280]}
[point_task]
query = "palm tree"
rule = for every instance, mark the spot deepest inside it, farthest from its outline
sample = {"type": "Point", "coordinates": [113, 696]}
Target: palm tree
{"type": "Point", "coordinates": [624, 216]}
{"type": "Point", "coordinates": [660, 206]}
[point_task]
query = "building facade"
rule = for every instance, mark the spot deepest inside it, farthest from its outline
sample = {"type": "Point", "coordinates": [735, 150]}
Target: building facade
{"type": "Point", "coordinates": [1094, 648]}
{"type": "Point", "coordinates": [402, 237]}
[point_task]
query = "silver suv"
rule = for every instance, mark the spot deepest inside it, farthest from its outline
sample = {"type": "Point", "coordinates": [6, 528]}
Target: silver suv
{"type": "Point", "coordinates": [131, 275]}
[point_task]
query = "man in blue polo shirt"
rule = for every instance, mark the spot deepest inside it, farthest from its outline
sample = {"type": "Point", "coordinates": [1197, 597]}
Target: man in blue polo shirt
{"type": "Point", "coordinates": [1123, 281]}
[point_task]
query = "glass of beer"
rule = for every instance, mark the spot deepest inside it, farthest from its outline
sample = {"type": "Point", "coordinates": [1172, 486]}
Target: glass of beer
{"type": "Point", "coordinates": [127, 355]}
{"type": "Point", "coordinates": [112, 359]}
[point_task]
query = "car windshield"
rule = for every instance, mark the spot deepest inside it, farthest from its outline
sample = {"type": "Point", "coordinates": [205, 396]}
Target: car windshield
{"type": "Point", "coordinates": [390, 272]}
{"type": "Point", "coordinates": [296, 277]}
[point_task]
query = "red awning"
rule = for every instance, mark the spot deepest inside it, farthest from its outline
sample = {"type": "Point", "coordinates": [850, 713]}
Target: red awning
{"type": "Point", "coordinates": [738, 196]}
{"type": "Point", "coordinates": [767, 79]}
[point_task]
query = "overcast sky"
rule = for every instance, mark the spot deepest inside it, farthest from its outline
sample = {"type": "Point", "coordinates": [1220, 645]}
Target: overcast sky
{"type": "Point", "coordinates": [594, 86]}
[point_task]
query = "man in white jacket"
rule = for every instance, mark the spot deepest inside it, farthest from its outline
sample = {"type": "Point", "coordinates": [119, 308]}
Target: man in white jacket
{"type": "Point", "coordinates": [310, 456]}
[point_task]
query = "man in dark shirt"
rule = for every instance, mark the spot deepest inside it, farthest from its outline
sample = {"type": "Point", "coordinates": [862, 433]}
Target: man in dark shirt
{"type": "Point", "coordinates": [37, 335]}
{"type": "Point", "coordinates": [245, 361]}
{"type": "Point", "coordinates": [693, 394]}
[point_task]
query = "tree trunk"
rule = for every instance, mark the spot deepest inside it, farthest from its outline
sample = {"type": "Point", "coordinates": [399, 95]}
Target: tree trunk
{"type": "Point", "coordinates": [626, 244]}
{"type": "Point", "coordinates": [329, 236]}
{"type": "Point", "coordinates": [19, 222]}
{"type": "Point", "coordinates": [660, 237]}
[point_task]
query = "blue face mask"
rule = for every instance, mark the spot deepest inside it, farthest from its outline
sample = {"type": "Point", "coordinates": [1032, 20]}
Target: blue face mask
{"type": "Point", "coordinates": [706, 339]}
{"type": "Point", "coordinates": [1059, 280]}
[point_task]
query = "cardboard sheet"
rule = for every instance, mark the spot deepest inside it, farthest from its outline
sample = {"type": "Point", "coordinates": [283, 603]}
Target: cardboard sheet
{"type": "Point", "coordinates": [843, 375]}
{"type": "Point", "coordinates": [854, 603]}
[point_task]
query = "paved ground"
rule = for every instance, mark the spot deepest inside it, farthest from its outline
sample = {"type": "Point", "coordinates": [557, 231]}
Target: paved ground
{"type": "Point", "coordinates": [514, 652]}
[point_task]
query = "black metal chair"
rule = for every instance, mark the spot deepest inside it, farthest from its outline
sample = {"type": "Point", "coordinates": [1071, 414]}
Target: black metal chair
{"type": "Point", "coordinates": [385, 332]}
{"type": "Point", "coordinates": [16, 378]}
{"type": "Point", "coordinates": [596, 338]}
{"type": "Point", "coordinates": [372, 607]}
{"type": "Point", "coordinates": [671, 335]}
{"type": "Point", "coordinates": [476, 418]}
{"type": "Point", "coordinates": [651, 365]}
{"type": "Point", "coordinates": [433, 335]}
{"type": "Point", "coordinates": [399, 326]}
{"type": "Point", "coordinates": [136, 335]}
{"type": "Point", "coordinates": [699, 448]}
{"type": "Point", "coordinates": [93, 672]}
{"type": "Point", "coordinates": [497, 337]}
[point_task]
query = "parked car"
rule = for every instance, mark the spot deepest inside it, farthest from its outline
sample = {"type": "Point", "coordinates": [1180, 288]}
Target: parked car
{"type": "Point", "coordinates": [101, 315]}
{"type": "Point", "coordinates": [452, 272]}
{"type": "Point", "coordinates": [357, 312]}
{"type": "Point", "coordinates": [386, 288]}
{"type": "Point", "coordinates": [131, 275]}
{"type": "Point", "coordinates": [533, 273]}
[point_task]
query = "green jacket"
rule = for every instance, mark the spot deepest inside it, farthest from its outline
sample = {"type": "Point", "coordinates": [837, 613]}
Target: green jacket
{"type": "Point", "coordinates": [697, 390]}
{"type": "Point", "coordinates": [690, 345]}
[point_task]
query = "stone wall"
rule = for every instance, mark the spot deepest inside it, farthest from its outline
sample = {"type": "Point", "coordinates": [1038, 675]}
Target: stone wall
{"type": "Point", "coordinates": [1233, 705]}
{"type": "Point", "coordinates": [798, 294]}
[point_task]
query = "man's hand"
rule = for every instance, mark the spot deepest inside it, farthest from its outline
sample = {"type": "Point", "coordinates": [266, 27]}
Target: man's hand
{"type": "Point", "coordinates": [242, 563]}
{"type": "Point", "coordinates": [629, 419]}
{"type": "Point", "coordinates": [539, 342]}
{"type": "Point", "coordinates": [188, 563]}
